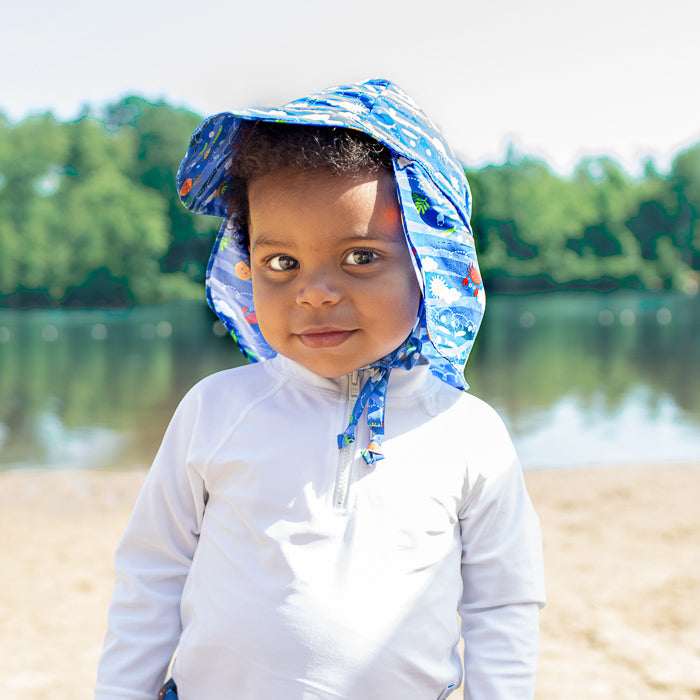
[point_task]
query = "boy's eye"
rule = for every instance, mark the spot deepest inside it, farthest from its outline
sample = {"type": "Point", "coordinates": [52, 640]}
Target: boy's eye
{"type": "Point", "coordinates": [360, 257]}
{"type": "Point", "coordinates": [282, 263]}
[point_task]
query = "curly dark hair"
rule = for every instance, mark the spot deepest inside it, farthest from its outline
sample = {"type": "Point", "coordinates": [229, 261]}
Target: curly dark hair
{"type": "Point", "coordinates": [265, 147]}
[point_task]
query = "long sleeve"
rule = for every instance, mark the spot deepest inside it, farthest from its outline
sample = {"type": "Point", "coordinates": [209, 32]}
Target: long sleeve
{"type": "Point", "coordinates": [152, 562]}
{"type": "Point", "coordinates": [500, 658]}
{"type": "Point", "coordinates": [502, 572]}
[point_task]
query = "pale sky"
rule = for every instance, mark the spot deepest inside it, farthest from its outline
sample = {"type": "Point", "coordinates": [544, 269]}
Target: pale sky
{"type": "Point", "coordinates": [558, 79]}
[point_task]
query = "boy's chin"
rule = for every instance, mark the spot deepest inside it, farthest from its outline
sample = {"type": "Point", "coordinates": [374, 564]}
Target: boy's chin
{"type": "Point", "coordinates": [334, 368]}
{"type": "Point", "coordinates": [329, 367]}
{"type": "Point", "coordinates": [330, 372]}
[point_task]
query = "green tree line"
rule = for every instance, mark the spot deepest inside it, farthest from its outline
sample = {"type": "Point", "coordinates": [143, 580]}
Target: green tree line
{"type": "Point", "coordinates": [600, 228]}
{"type": "Point", "coordinates": [89, 216]}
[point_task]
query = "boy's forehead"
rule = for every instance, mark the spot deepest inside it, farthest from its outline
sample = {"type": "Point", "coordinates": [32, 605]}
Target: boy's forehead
{"type": "Point", "coordinates": [353, 210]}
{"type": "Point", "coordinates": [298, 185]}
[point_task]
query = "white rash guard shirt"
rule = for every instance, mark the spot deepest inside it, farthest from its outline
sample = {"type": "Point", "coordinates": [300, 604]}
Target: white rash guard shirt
{"type": "Point", "coordinates": [285, 567]}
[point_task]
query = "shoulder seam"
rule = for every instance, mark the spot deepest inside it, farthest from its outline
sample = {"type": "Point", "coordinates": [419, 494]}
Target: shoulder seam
{"type": "Point", "coordinates": [273, 389]}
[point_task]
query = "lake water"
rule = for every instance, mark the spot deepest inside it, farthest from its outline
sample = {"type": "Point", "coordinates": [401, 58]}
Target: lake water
{"type": "Point", "coordinates": [578, 378]}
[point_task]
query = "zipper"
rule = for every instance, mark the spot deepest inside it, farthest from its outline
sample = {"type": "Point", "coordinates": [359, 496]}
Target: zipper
{"type": "Point", "coordinates": [345, 458]}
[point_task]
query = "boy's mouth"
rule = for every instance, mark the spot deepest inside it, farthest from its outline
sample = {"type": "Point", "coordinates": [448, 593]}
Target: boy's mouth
{"type": "Point", "coordinates": [325, 337]}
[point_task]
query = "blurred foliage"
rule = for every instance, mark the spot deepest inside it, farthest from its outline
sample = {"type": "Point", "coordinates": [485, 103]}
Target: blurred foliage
{"type": "Point", "coordinates": [89, 216]}
{"type": "Point", "coordinates": [598, 229]}
{"type": "Point", "coordinates": [89, 213]}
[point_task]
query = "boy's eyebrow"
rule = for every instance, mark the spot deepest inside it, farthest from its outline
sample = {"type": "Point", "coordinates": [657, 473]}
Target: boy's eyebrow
{"type": "Point", "coordinates": [367, 237]}
{"type": "Point", "coordinates": [263, 241]}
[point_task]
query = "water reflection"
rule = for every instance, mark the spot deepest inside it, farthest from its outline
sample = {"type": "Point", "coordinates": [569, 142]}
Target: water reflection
{"type": "Point", "coordinates": [108, 381]}
{"type": "Point", "coordinates": [578, 378]}
{"type": "Point", "coordinates": [643, 428]}
{"type": "Point", "coordinates": [594, 378]}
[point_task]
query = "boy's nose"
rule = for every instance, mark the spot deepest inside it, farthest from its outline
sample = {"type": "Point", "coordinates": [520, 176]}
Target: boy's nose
{"type": "Point", "coordinates": [318, 289]}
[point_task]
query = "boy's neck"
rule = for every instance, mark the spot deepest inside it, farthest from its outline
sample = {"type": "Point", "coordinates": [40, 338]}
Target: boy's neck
{"type": "Point", "coordinates": [402, 381]}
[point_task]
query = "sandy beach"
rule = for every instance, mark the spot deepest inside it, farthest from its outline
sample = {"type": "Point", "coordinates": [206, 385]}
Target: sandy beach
{"type": "Point", "coordinates": [621, 551]}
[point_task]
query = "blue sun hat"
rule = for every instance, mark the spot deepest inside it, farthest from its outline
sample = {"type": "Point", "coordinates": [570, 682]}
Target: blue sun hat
{"type": "Point", "coordinates": [435, 202]}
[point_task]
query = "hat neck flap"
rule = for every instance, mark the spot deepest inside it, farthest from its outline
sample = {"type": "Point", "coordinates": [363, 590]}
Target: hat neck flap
{"type": "Point", "coordinates": [434, 198]}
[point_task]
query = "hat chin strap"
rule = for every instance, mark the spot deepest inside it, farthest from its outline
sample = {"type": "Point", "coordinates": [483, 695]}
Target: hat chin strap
{"type": "Point", "coordinates": [373, 397]}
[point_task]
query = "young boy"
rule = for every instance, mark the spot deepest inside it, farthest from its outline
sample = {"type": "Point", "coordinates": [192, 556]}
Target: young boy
{"type": "Point", "coordinates": [314, 522]}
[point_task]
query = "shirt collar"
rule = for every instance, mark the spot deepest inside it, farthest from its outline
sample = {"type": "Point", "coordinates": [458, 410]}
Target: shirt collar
{"type": "Point", "coordinates": [402, 383]}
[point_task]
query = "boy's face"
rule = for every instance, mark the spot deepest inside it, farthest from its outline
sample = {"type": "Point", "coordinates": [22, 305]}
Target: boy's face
{"type": "Point", "coordinates": [333, 282]}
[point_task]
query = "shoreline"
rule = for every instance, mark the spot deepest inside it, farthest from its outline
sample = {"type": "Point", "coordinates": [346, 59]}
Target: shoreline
{"type": "Point", "coordinates": [623, 579]}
